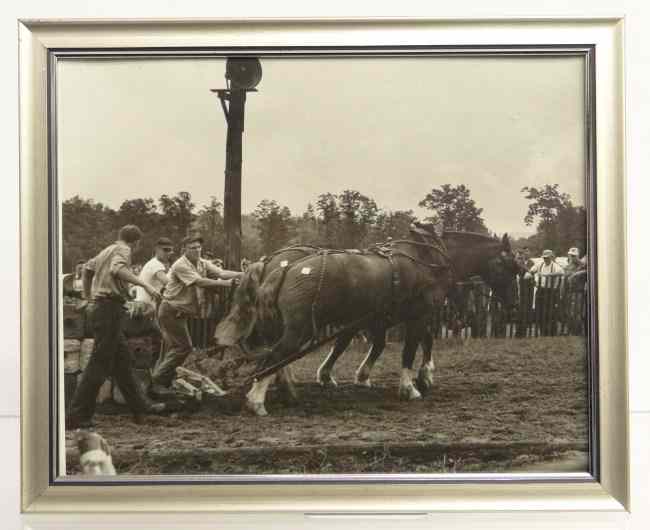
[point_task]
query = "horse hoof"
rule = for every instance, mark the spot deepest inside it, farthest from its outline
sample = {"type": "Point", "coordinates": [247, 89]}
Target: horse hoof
{"type": "Point", "coordinates": [409, 393]}
{"type": "Point", "coordinates": [256, 408]}
{"type": "Point", "coordinates": [424, 382]}
{"type": "Point", "coordinates": [328, 382]}
{"type": "Point", "coordinates": [365, 382]}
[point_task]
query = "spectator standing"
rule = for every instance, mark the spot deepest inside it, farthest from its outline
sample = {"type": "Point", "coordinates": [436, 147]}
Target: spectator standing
{"type": "Point", "coordinates": [548, 274]}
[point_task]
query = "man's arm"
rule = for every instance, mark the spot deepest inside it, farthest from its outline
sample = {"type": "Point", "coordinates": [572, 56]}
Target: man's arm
{"type": "Point", "coordinates": [124, 273]}
{"type": "Point", "coordinates": [86, 282]}
{"type": "Point", "coordinates": [218, 272]}
{"type": "Point", "coordinates": [207, 283]}
{"type": "Point", "coordinates": [162, 277]}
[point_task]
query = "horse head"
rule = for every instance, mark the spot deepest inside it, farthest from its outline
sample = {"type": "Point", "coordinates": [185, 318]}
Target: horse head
{"type": "Point", "coordinates": [500, 271]}
{"type": "Point", "coordinates": [239, 323]}
{"type": "Point", "coordinates": [492, 259]}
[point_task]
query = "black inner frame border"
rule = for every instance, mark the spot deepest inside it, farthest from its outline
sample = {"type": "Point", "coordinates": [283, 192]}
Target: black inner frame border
{"type": "Point", "coordinates": [586, 51]}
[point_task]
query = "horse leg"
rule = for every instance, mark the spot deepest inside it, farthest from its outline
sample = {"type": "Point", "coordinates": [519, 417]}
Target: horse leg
{"type": "Point", "coordinates": [425, 374]}
{"type": "Point", "coordinates": [292, 338]}
{"type": "Point", "coordinates": [362, 375]}
{"type": "Point", "coordinates": [286, 380]}
{"type": "Point", "coordinates": [257, 394]}
{"type": "Point", "coordinates": [324, 373]}
{"type": "Point", "coordinates": [407, 389]}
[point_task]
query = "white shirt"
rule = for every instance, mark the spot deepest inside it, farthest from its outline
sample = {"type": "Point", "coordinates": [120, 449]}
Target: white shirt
{"type": "Point", "coordinates": [148, 275]}
{"type": "Point", "coordinates": [543, 270]}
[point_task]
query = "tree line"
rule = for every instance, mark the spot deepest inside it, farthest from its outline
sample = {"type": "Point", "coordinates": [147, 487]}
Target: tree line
{"type": "Point", "coordinates": [348, 219]}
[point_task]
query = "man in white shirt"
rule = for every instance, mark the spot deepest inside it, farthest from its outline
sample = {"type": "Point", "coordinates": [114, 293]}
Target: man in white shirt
{"type": "Point", "coordinates": [154, 271]}
{"type": "Point", "coordinates": [549, 279]}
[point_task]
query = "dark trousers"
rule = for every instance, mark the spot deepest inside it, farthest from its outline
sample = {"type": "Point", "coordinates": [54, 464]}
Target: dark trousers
{"type": "Point", "coordinates": [110, 357]}
{"type": "Point", "coordinates": [177, 343]}
{"type": "Point", "coordinates": [545, 310]}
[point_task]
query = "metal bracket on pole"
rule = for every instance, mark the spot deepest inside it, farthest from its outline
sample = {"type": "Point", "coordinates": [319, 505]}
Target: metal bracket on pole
{"type": "Point", "coordinates": [224, 95]}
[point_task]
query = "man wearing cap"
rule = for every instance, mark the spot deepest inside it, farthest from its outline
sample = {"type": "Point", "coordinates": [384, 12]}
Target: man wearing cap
{"type": "Point", "coordinates": [183, 298]}
{"type": "Point", "coordinates": [576, 282]}
{"type": "Point", "coordinates": [154, 272]}
{"type": "Point", "coordinates": [106, 280]}
{"type": "Point", "coordinates": [548, 278]}
{"type": "Point", "coordinates": [574, 264]}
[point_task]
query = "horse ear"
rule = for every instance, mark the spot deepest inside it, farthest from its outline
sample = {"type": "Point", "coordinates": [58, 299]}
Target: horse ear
{"type": "Point", "coordinates": [505, 243]}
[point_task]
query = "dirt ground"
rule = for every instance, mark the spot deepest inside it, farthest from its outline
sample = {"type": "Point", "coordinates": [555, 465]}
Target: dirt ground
{"type": "Point", "coordinates": [497, 405]}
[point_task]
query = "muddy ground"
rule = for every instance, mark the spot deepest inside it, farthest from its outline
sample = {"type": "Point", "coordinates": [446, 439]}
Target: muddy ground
{"type": "Point", "coordinates": [497, 405]}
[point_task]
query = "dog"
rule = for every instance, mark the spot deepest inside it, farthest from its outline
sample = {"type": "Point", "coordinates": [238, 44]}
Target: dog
{"type": "Point", "coordinates": [94, 455]}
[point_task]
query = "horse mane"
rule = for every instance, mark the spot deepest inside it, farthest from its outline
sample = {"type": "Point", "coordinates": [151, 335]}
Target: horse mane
{"type": "Point", "coordinates": [471, 235]}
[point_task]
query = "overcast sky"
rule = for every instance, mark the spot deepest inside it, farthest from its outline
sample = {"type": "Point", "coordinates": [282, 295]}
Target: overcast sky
{"type": "Point", "coordinates": [391, 128]}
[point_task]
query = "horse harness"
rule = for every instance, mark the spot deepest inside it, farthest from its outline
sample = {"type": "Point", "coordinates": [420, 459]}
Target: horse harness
{"type": "Point", "coordinates": [386, 251]}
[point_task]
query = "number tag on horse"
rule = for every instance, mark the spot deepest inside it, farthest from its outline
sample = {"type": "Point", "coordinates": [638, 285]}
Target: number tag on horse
{"type": "Point", "coordinates": [305, 270]}
{"type": "Point", "coordinates": [284, 263]}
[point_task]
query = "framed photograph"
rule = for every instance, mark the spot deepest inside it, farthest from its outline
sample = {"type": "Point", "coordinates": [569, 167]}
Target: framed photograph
{"type": "Point", "coordinates": [359, 265]}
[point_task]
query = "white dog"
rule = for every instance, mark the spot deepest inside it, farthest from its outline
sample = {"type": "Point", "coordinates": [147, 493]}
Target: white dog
{"type": "Point", "coordinates": [94, 455]}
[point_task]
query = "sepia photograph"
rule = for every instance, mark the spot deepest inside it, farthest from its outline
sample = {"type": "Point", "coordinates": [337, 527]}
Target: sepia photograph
{"type": "Point", "coordinates": [324, 264]}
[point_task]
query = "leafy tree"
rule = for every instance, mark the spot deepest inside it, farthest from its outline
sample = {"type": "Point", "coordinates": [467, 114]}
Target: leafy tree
{"type": "Point", "coordinates": [209, 223]}
{"type": "Point", "coordinates": [393, 224]}
{"type": "Point", "coordinates": [329, 217]}
{"type": "Point", "coordinates": [140, 212]}
{"type": "Point", "coordinates": [87, 228]}
{"type": "Point", "coordinates": [273, 225]}
{"type": "Point", "coordinates": [306, 228]}
{"type": "Point", "coordinates": [454, 209]}
{"type": "Point", "coordinates": [559, 222]}
{"type": "Point", "coordinates": [357, 215]}
{"type": "Point", "coordinates": [251, 245]}
{"type": "Point", "coordinates": [177, 214]}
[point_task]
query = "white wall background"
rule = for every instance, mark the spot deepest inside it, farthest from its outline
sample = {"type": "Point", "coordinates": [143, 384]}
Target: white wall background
{"type": "Point", "coordinates": [637, 13]}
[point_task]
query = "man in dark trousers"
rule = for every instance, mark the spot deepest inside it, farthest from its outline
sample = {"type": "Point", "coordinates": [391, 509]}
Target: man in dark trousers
{"type": "Point", "coordinates": [184, 296]}
{"type": "Point", "coordinates": [106, 280]}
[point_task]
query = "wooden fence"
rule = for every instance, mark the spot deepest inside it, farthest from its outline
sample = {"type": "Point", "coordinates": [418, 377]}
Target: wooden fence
{"type": "Point", "coordinates": [557, 308]}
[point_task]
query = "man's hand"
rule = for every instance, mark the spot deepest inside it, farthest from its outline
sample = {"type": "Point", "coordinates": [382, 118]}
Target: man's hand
{"type": "Point", "coordinates": [152, 292]}
{"type": "Point", "coordinates": [236, 281]}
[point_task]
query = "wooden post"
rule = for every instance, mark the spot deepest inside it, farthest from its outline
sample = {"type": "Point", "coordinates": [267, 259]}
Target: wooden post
{"type": "Point", "coordinates": [243, 74]}
{"type": "Point", "coordinates": [232, 187]}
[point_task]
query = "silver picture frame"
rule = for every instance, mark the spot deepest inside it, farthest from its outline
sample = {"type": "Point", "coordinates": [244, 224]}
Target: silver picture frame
{"type": "Point", "coordinates": [598, 41]}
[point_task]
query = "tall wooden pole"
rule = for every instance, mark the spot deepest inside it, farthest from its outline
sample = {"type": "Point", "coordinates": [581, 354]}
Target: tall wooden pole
{"type": "Point", "coordinates": [233, 173]}
{"type": "Point", "coordinates": [244, 74]}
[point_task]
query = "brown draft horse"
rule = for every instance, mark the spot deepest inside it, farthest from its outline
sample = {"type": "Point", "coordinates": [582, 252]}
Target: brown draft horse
{"type": "Point", "coordinates": [378, 291]}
